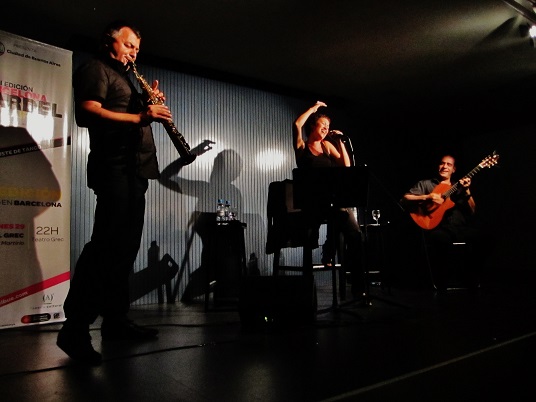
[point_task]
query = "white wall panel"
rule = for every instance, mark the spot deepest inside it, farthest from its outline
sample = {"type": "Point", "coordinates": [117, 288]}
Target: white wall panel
{"type": "Point", "coordinates": [251, 146]}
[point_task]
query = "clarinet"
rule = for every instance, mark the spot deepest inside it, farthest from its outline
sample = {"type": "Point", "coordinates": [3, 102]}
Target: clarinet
{"type": "Point", "coordinates": [176, 137]}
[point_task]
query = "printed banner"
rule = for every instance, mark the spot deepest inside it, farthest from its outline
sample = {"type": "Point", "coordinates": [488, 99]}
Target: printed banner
{"type": "Point", "coordinates": [35, 180]}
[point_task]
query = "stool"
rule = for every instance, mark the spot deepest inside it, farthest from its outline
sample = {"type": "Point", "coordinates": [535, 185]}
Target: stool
{"type": "Point", "coordinates": [376, 271]}
{"type": "Point", "coordinates": [227, 262]}
{"type": "Point", "coordinates": [291, 228]}
{"type": "Point", "coordinates": [453, 271]}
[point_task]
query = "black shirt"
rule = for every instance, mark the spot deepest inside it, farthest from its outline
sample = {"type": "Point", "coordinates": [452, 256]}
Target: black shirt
{"type": "Point", "coordinates": [455, 216]}
{"type": "Point", "coordinates": [306, 159]}
{"type": "Point", "coordinates": [105, 80]}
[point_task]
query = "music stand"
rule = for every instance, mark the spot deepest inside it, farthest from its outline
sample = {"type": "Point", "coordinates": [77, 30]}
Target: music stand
{"type": "Point", "coordinates": [328, 189]}
{"type": "Point", "coordinates": [322, 191]}
{"type": "Point", "coordinates": [334, 187]}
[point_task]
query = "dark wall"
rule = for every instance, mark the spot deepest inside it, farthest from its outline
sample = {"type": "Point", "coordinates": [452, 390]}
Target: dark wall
{"type": "Point", "coordinates": [401, 144]}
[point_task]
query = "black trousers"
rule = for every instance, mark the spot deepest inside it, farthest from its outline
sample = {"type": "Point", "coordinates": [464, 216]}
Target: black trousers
{"type": "Point", "coordinates": [444, 263]}
{"type": "Point", "coordinates": [100, 285]}
{"type": "Point", "coordinates": [342, 222]}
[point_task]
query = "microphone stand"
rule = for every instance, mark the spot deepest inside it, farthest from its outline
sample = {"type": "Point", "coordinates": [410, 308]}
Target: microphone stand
{"type": "Point", "coordinates": [365, 255]}
{"type": "Point", "coordinates": [364, 249]}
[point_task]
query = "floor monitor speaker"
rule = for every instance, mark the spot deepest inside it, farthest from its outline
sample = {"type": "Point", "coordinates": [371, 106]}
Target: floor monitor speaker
{"type": "Point", "coordinates": [270, 301]}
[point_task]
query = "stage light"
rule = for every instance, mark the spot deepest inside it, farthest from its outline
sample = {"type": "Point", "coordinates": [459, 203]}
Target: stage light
{"type": "Point", "coordinates": [270, 159]}
{"type": "Point", "coordinates": [528, 31]}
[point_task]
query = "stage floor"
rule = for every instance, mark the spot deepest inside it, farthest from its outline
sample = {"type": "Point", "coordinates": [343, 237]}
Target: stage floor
{"type": "Point", "coordinates": [408, 345]}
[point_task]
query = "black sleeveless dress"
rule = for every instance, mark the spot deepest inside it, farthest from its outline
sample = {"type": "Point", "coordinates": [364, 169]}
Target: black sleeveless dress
{"type": "Point", "coordinates": [308, 160]}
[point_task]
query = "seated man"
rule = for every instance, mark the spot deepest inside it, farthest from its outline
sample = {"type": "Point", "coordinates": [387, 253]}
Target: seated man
{"type": "Point", "coordinates": [446, 220]}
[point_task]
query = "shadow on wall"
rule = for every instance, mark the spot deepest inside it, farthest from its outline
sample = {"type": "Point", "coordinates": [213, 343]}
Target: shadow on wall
{"type": "Point", "coordinates": [25, 175]}
{"type": "Point", "coordinates": [228, 166]}
{"type": "Point", "coordinates": [158, 274]}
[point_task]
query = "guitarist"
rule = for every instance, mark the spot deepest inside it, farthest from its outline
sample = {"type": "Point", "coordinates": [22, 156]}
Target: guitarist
{"type": "Point", "coordinates": [454, 225]}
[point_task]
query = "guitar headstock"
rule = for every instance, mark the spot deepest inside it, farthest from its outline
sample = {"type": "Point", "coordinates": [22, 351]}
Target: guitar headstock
{"type": "Point", "coordinates": [490, 160]}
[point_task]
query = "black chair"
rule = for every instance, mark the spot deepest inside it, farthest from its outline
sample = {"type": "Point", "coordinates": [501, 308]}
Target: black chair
{"type": "Point", "coordinates": [292, 228]}
{"type": "Point", "coordinates": [450, 266]}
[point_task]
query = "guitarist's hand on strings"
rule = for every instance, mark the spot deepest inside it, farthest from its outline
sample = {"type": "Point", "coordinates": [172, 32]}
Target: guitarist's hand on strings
{"type": "Point", "coordinates": [465, 183]}
{"type": "Point", "coordinates": [436, 198]}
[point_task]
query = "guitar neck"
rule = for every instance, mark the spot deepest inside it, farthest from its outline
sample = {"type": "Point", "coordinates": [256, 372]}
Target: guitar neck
{"type": "Point", "coordinates": [455, 187]}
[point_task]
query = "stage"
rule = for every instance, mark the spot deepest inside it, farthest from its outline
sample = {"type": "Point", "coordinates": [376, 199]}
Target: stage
{"type": "Point", "coordinates": [409, 345]}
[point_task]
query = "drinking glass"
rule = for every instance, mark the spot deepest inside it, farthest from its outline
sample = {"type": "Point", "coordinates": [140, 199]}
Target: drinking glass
{"type": "Point", "coordinates": [376, 215]}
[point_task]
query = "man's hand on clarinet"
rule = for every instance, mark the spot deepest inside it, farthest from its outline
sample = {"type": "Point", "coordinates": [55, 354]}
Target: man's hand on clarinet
{"type": "Point", "coordinates": [160, 113]}
{"type": "Point", "coordinates": [157, 92]}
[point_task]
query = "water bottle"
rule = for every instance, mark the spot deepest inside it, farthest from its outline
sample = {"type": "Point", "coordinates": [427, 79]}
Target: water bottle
{"type": "Point", "coordinates": [226, 210]}
{"type": "Point", "coordinates": [153, 255]}
{"type": "Point", "coordinates": [220, 212]}
{"type": "Point", "coordinates": [253, 265]}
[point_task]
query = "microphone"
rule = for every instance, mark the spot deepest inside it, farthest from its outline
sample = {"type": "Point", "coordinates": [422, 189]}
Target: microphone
{"type": "Point", "coordinates": [335, 133]}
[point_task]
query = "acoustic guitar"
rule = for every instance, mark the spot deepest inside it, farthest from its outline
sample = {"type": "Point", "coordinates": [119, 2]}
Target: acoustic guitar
{"type": "Point", "coordinates": [429, 214]}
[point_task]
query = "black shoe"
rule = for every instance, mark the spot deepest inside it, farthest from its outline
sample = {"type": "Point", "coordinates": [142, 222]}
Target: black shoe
{"type": "Point", "coordinates": [77, 345]}
{"type": "Point", "coordinates": [125, 330]}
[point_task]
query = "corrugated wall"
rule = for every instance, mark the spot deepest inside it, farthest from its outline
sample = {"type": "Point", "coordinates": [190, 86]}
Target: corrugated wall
{"type": "Point", "coordinates": [247, 136]}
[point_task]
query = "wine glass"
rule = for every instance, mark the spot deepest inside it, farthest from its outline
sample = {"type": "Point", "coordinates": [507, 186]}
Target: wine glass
{"type": "Point", "coordinates": [376, 215]}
